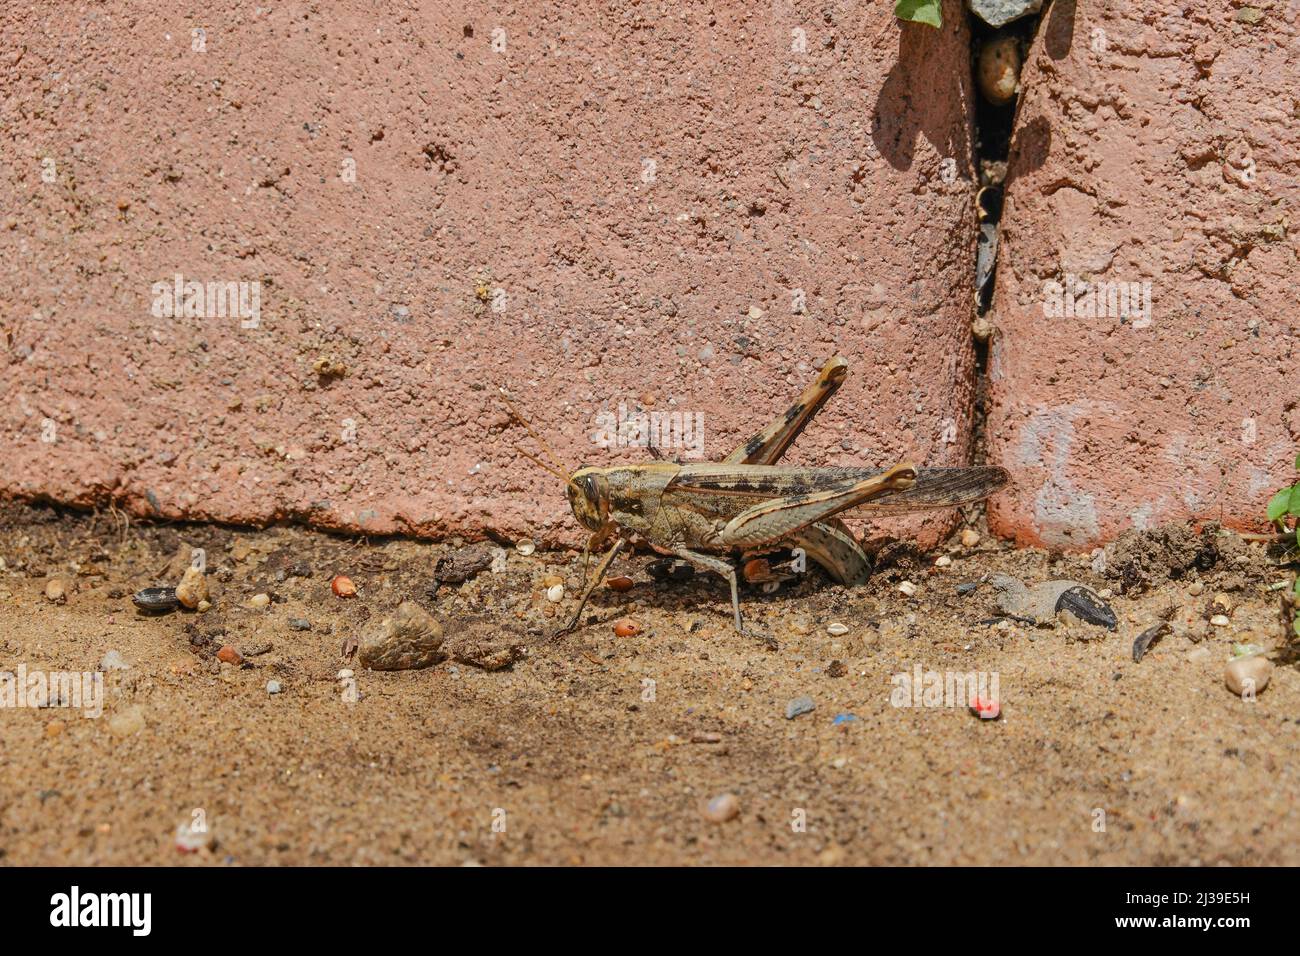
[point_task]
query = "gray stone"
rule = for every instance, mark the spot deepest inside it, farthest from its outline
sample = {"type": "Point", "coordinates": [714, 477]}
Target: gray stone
{"type": "Point", "coordinates": [800, 705]}
{"type": "Point", "coordinates": [997, 13]}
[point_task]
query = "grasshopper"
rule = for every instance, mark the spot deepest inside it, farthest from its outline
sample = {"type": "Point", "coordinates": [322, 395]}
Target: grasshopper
{"type": "Point", "coordinates": [710, 514]}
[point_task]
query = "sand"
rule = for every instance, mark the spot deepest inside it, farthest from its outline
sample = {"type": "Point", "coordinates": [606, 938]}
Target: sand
{"type": "Point", "coordinates": [593, 749]}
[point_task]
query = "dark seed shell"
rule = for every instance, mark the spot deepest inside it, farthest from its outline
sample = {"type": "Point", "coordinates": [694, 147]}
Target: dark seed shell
{"type": "Point", "coordinates": [1088, 606]}
{"type": "Point", "coordinates": [1147, 638]}
{"type": "Point", "coordinates": [156, 599]}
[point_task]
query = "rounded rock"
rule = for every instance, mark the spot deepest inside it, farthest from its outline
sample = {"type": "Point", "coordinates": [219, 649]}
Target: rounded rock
{"type": "Point", "coordinates": [1247, 674]}
{"type": "Point", "coordinates": [969, 538]}
{"type": "Point", "coordinates": [343, 587]}
{"type": "Point", "coordinates": [723, 807]}
{"type": "Point", "coordinates": [259, 600]}
{"type": "Point", "coordinates": [620, 583]}
{"type": "Point", "coordinates": [228, 655]}
{"type": "Point", "coordinates": [999, 69]}
{"type": "Point", "coordinates": [193, 589]}
{"type": "Point", "coordinates": [626, 627]}
{"type": "Point", "coordinates": [56, 592]}
{"type": "Point", "coordinates": [555, 593]}
{"type": "Point", "coordinates": [407, 640]}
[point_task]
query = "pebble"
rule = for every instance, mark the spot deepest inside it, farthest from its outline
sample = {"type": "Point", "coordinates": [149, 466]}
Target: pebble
{"type": "Point", "coordinates": [969, 538]}
{"type": "Point", "coordinates": [155, 599]}
{"type": "Point", "coordinates": [908, 588]}
{"type": "Point", "coordinates": [407, 640]}
{"type": "Point", "coordinates": [229, 655]}
{"type": "Point", "coordinates": [113, 662]}
{"type": "Point", "coordinates": [56, 591]}
{"type": "Point", "coordinates": [273, 687]}
{"type": "Point", "coordinates": [723, 807]}
{"type": "Point", "coordinates": [555, 593]}
{"type": "Point", "coordinates": [1196, 588]}
{"type": "Point", "coordinates": [620, 583]}
{"type": "Point", "coordinates": [343, 587]}
{"type": "Point", "coordinates": [1220, 620]}
{"type": "Point", "coordinates": [299, 624]}
{"type": "Point", "coordinates": [626, 627]}
{"type": "Point", "coordinates": [191, 841]}
{"type": "Point", "coordinates": [345, 674]}
{"type": "Point", "coordinates": [128, 722]}
{"type": "Point", "coordinates": [1257, 669]}
{"type": "Point", "coordinates": [204, 607]}
{"type": "Point", "coordinates": [998, 69]}
{"type": "Point", "coordinates": [800, 705]}
{"type": "Point", "coordinates": [525, 547]}
{"type": "Point", "coordinates": [192, 589]}
{"type": "Point", "coordinates": [942, 561]}
{"type": "Point", "coordinates": [54, 728]}
{"type": "Point", "coordinates": [836, 629]}
{"type": "Point", "coordinates": [259, 600]}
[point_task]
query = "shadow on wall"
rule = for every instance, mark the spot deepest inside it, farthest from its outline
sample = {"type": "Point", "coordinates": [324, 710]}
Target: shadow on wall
{"type": "Point", "coordinates": [909, 104]}
{"type": "Point", "coordinates": [1058, 32]}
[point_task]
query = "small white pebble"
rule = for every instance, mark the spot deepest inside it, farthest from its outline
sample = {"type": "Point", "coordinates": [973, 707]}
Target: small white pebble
{"type": "Point", "coordinates": [259, 600]}
{"type": "Point", "coordinates": [1196, 588]}
{"type": "Point", "coordinates": [942, 561]}
{"type": "Point", "coordinates": [908, 588]}
{"type": "Point", "coordinates": [273, 687]}
{"type": "Point", "coordinates": [836, 629]}
{"type": "Point", "coordinates": [1220, 620]}
{"type": "Point", "coordinates": [555, 593]}
{"type": "Point", "coordinates": [969, 538]}
{"type": "Point", "coordinates": [345, 674]}
{"type": "Point", "coordinates": [722, 808]}
{"type": "Point", "coordinates": [525, 547]}
{"type": "Point", "coordinates": [498, 560]}
{"type": "Point", "coordinates": [1106, 593]}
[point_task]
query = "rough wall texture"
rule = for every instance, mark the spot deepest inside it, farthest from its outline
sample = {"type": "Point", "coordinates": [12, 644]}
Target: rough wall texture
{"type": "Point", "coordinates": [590, 203]}
{"type": "Point", "coordinates": [1159, 147]}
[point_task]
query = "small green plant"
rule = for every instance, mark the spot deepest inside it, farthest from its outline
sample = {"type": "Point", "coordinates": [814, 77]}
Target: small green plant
{"type": "Point", "coordinates": [929, 12]}
{"type": "Point", "coordinates": [1283, 506]}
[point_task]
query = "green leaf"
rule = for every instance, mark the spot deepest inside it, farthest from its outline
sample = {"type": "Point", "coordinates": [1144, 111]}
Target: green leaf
{"type": "Point", "coordinates": [1278, 504]}
{"type": "Point", "coordinates": [1296, 625]}
{"type": "Point", "coordinates": [930, 13]}
{"type": "Point", "coordinates": [1297, 462]}
{"type": "Point", "coordinates": [1296, 588]}
{"type": "Point", "coordinates": [1293, 506]}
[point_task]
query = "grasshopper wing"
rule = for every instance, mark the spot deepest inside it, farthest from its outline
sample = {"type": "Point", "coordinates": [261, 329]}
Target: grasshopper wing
{"type": "Point", "coordinates": [933, 487]}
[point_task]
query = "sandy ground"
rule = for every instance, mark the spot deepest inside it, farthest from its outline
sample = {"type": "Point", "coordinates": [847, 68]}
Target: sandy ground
{"type": "Point", "coordinates": [562, 759]}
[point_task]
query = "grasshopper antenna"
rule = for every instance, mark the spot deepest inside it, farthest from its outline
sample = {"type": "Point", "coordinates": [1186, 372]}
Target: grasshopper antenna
{"type": "Point", "coordinates": [558, 469]}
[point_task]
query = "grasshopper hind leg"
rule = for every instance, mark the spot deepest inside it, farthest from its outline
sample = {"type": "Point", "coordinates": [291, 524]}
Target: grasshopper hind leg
{"type": "Point", "coordinates": [832, 545]}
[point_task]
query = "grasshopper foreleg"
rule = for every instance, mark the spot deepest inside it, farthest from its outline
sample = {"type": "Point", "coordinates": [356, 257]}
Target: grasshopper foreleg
{"type": "Point", "coordinates": [601, 568]}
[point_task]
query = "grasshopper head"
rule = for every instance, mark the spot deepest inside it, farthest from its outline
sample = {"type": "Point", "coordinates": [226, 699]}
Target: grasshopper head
{"type": "Point", "coordinates": [589, 498]}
